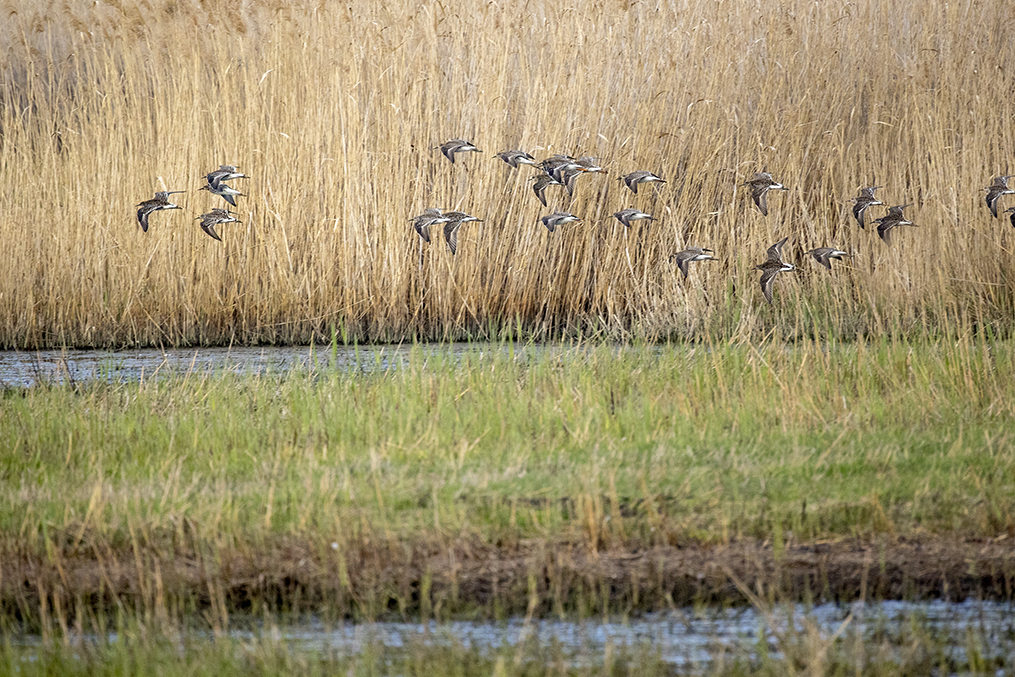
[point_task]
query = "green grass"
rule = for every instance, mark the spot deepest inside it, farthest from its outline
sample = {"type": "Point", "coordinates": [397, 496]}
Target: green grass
{"type": "Point", "coordinates": [735, 437]}
{"type": "Point", "coordinates": [592, 449]}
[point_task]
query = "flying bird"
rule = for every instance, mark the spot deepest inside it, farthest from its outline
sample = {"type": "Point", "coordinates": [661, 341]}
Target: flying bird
{"type": "Point", "coordinates": [455, 221]}
{"type": "Point", "coordinates": [891, 220]}
{"type": "Point", "coordinates": [225, 173]}
{"type": "Point", "coordinates": [626, 216]}
{"type": "Point", "coordinates": [214, 218]}
{"type": "Point", "coordinates": [160, 201]}
{"type": "Point", "coordinates": [516, 157]}
{"type": "Point", "coordinates": [823, 255]}
{"type": "Point", "coordinates": [864, 200]}
{"type": "Point", "coordinates": [551, 221]}
{"type": "Point", "coordinates": [589, 164]}
{"type": "Point", "coordinates": [428, 218]}
{"type": "Point", "coordinates": [541, 182]}
{"type": "Point", "coordinates": [556, 161]}
{"type": "Point", "coordinates": [449, 148]}
{"type": "Point", "coordinates": [641, 176]}
{"type": "Point", "coordinates": [222, 189]}
{"type": "Point", "coordinates": [686, 257]}
{"type": "Point", "coordinates": [760, 184]}
{"type": "Point", "coordinates": [772, 267]}
{"type": "Point", "coordinates": [995, 190]}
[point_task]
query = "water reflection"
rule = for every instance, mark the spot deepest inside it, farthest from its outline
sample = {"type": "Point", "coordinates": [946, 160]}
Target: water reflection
{"type": "Point", "coordinates": [682, 637]}
{"type": "Point", "coordinates": [26, 369]}
{"type": "Point", "coordinates": [687, 637]}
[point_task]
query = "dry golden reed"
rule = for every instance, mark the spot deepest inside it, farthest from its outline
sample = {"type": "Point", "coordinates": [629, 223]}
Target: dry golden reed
{"type": "Point", "coordinates": [333, 109]}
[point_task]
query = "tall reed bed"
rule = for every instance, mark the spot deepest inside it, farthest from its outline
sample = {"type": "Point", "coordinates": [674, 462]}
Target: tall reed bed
{"type": "Point", "coordinates": [333, 110]}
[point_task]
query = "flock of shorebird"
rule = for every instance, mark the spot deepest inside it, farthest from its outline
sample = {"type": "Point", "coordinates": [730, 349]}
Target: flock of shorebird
{"type": "Point", "coordinates": [564, 170]}
{"type": "Point", "coordinates": [216, 185]}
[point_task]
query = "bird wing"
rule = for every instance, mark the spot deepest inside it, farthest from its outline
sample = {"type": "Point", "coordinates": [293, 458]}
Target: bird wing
{"type": "Point", "coordinates": [423, 228]}
{"type": "Point", "coordinates": [775, 251]}
{"type": "Point", "coordinates": [683, 262]}
{"type": "Point", "coordinates": [569, 180]}
{"type": "Point", "coordinates": [822, 255]}
{"type": "Point", "coordinates": [208, 226]}
{"type": "Point", "coordinates": [885, 229]}
{"type": "Point", "coordinates": [993, 194]}
{"type": "Point", "coordinates": [767, 279]}
{"type": "Point", "coordinates": [144, 209]}
{"type": "Point", "coordinates": [539, 187]}
{"type": "Point", "coordinates": [859, 207]}
{"type": "Point", "coordinates": [451, 234]}
{"type": "Point", "coordinates": [760, 195]}
{"type": "Point", "coordinates": [449, 148]}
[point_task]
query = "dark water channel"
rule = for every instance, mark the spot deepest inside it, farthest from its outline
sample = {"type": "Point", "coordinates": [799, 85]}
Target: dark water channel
{"type": "Point", "coordinates": [29, 368]}
{"type": "Point", "coordinates": [685, 637]}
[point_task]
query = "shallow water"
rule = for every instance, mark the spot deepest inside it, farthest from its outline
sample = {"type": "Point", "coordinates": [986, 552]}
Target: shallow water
{"type": "Point", "coordinates": [683, 637]}
{"type": "Point", "coordinates": [686, 637]}
{"type": "Point", "coordinates": [26, 369]}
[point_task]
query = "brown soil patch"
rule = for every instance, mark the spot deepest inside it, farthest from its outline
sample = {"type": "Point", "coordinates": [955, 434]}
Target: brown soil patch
{"type": "Point", "coordinates": [371, 580]}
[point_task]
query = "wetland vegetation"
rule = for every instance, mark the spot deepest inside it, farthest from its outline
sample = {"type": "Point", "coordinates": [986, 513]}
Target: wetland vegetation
{"type": "Point", "coordinates": [334, 110]}
{"type": "Point", "coordinates": [675, 444]}
{"type": "Point", "coordinates": [582, 481]}
{"type": "Point", "coordinates": [526, 479]}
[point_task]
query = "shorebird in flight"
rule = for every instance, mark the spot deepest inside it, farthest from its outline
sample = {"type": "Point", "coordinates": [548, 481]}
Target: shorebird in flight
{"type": "Point", "coordinates": [555, 219]}
{"type": "Point", "coordinates": [449, 148]}
{"type": "Point", "coordinates": [995, 190]}
{"type": "Point", "coordinates": [215, 217]}
{"type": "Point", "coordinates": [222, 189]}
{"type": "Point", "coordinates": [455, 221]}
{"type": "Point", "coordinates": [567, 177]}
{"type": "Point", "coordinates": [686, 257]}
{"type": "Point", "coordinates": [626, 216]}
{"type": "Point", "coordinates": [641, 176]}
{"type": "Point", "coordinates": [864, 200]}
{"type": "Point", "coordinates": [760, 184]}
{"type": "Point", "coordinates": [225, 173]}
{"type": "Point", "coordinates": [160, 201]}
{"type": "Point", "coordinates": [891, 220]}
{"type": "Point", "coordinates": [772, 267]}
{"type": "Point", "coordinates": [541, 182]}
{"type": "Point", "coordinates": [1012, 210]}
{"type": "Point", "coordinates": [516, 157]}
{"type": "Point", "coordinates": [429, 217]}
{"type": "Point", "coordinates": [824, 255]}
{"type": "Point", "coordinates": [555, 162]}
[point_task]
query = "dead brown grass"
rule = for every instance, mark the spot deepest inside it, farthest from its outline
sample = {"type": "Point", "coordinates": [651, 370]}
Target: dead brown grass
{"type": "Point", "coordinates": [375, 578]}
{"type": "Point", "coordinates": [333, 110]}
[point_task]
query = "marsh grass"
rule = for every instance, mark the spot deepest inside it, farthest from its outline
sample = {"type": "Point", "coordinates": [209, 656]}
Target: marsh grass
{"type": "Point", "coordinates": [394, 492]}
{"type": "Point", "coordinates": [333, 111]}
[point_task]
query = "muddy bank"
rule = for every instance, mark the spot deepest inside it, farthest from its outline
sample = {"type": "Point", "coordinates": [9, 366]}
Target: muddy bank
{"type": "Point", "coordinates": [370, 580]}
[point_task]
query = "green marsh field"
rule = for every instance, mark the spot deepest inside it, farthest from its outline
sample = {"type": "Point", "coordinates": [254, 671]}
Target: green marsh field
{"type": "Point", "coordinates": [576, 481]}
